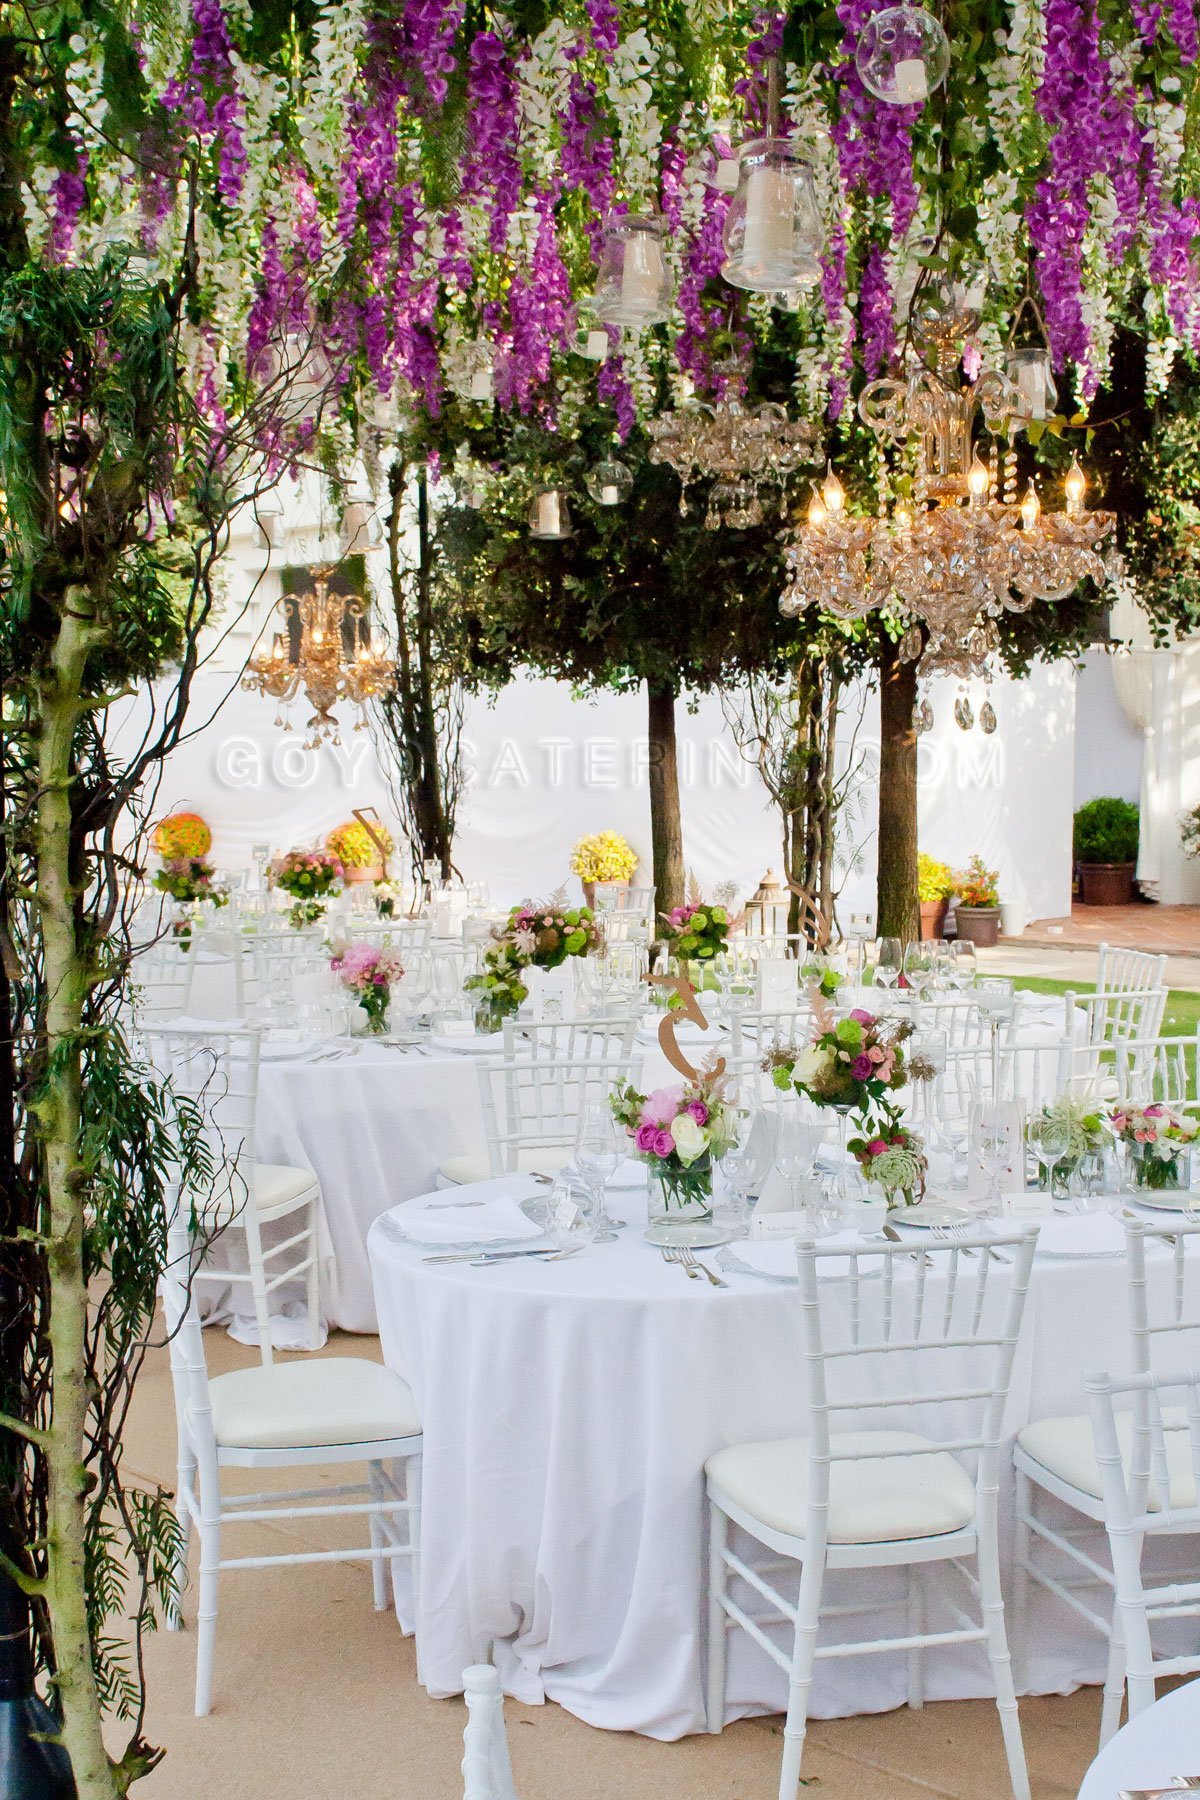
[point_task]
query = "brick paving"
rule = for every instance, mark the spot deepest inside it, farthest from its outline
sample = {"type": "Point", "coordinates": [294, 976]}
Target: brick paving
{"type": "Point", "coordinates": [1161, 930]}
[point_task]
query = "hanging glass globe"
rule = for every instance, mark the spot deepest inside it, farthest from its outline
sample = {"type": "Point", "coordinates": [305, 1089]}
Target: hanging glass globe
{"type": "Point", "coordinates": [633, 283]}
{"type": "Point", "coordinates": [610, 482]}
{"type": "Point", "coordinates": [472, 371]}
{"type": "Point", "coordinates": [1030, 373]}
{"type": "Point", "coordinates": [549, 517]}
{"type": "Point", "coordinates": [773, 228]}
{"type": "Point", "coordinates": [902, 55]}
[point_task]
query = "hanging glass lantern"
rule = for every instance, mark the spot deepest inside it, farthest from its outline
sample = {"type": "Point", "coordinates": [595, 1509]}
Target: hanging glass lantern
{"type": "Point", "coordinates": [473, 371]}
{"type": "Point", "coordinates": [773, 228]}
{"type": "Point", "coordinates": [549, 517]}
{"type": "Point", "coordinates": [610, 482]}
{"type": "Point", "coordinates": [633, 284]}
{"type": "Point", "coordinates": [902, 55]}
{"type": "Point", "coordinates": [1030, 373]}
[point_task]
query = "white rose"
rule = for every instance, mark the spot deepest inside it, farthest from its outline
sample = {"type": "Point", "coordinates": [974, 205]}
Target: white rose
{"type": "Point", "coordinates": [813, 1062]}
{"type": "Point", "coordinates": [691, 1140]}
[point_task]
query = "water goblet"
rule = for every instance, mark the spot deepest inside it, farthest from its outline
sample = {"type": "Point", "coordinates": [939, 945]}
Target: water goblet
{"type": "Point", "coordinates": [918, 969]}
{"type": "Point", "coordinates": [889, 961]}
{"type": "Point", "coordinates": [1050, 1140]}
{"type": "Point", "coordinates": [597, 1155]}
{"type": "Point", "coordinates": [966, 963]}
{"type": "Point", "coordinates": [999, 1140]}
{"type": "Point", "coordinates": [748, 1160]}
{"type": "Point", "coordinates": [571, 1213]}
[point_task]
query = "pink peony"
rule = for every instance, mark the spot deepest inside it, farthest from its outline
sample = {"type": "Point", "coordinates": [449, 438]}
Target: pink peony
{"type": "Point", "coordinates": [861, 1017]}
{"type": "Point", "coordinates": [662, 1106]}
{"type": "Point", "coordinates": [646, 1138]}
{"type": "Point", "coordinates": [862, 1068]}
{"type": "Point", "coordinates": [664, 1143]}
{"type": "Point", "coordinates": [876, 1147]}
{"type": "Point", "coordinates": [699, 1112]}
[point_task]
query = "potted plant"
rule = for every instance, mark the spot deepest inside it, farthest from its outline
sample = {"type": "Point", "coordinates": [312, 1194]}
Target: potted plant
{"type": "Point", "coordinates": [935, 884]}
{"type": "Point", "coordinates": [604, 857]}
{"type": "Point", "coordinates": [361, 857]}
{"type": "Point", "coordinates": [977, 910]}
{"type": "Point", "coordinates": [1106, 847]}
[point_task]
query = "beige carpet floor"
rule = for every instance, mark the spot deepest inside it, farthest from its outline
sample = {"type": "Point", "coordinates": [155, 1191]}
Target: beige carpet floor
{"type": "Point", "coordinates": [317, 1699]}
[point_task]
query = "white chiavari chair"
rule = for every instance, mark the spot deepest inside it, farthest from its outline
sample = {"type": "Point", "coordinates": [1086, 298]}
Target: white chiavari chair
{"type": "Point", "coordinates": [614, 901]}
{"type": "Point", "coordinates": [486, 1769]}
{"type": "Point", "coordinates": [162, 981]}
{"type": "Point", "coordinates": [1149, 1462]}
{"type": "Point", "coordinates": [568, 1040]}
{"type": "Point", "coordinates": [754, 1033]}
{"type": "Point", "coordinates": [1160, 1068]}
{"type": "Point", "coordinates": [1026, 1069]}
{"type": "Point", "coordinates": [1120, 971]}
{"type": "Point", "coordinates": [1101, 1022]}
{"type": "Point", "coordinates": [870, 1499]}
{"type": "Point", "coordinates": [226, 980]}
{"type": "Point", "coordinates": [331, 1411]}
{"type": "Point", "coordinates": [531, 1109]}
{"type": "Point", "coordinates": [217, 1071]}
{"type": "Point", "coordinates": [1059, 1457]}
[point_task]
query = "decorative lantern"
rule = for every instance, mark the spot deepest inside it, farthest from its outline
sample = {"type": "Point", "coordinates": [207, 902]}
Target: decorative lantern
{"type": "Point", "coordinates": [549, 517]}
{"type": "Point", "coordinates": [610, 482]}
{"type": "Point", "coordinates": [1030, 373]}
{"type": "Point", "coordinates": [902, 55]}
{"type": "Point", "coordinates": [472, 371]}
{"type": "Point", "coordinates": [773, 228]}
{"type": "Point", "coordinates": [633, 285]}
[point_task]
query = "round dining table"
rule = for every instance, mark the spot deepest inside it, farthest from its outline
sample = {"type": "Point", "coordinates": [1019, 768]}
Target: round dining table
{"type": "Point", "coordinates": [1151, 1750]}
{"type": "Point", "coordinates": [568, 1410]}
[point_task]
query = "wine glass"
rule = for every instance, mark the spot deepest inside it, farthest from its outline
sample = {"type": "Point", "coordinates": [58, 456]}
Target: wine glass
{"type": "Point", "coordinates": [597, 1154]}
{"type": "Point", "coordinates": [1050, 1140]}
{"type": "Point", "coordinates": [926, 1052]}
{"type": "Point", "coordinates": [889, 961]}
{"type": "Point", "coordinates": [998, 1135]}
{"type": "Point", "coordinates": [918, 968]}
{"type": "Point", "coordinates": [966, 963]}
{"type": "Point", "coordinates": [797, 1143]}
{"type": "Point", "coordinates": [945, 972]}
{"type": "Point", "coordinates": [994, 997]}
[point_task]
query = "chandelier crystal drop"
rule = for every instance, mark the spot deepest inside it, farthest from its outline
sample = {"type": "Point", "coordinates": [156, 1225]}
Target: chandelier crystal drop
{"type": "Point", "coordinates": [902, 55]}
{"type": "Point", "coordinates": [323, 668]}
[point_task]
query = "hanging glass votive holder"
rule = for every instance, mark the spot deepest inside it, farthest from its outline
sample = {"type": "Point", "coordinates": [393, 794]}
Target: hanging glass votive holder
{"type": "Point", "coordinates": [1031, 374]}
{"type": "Point", "coordinates": [473, 371]}
{"type": "Point", "coordinates": [610, 482]}
{"type": "Point", "coordinates": [549, 516]}
{"type": "Point", "coordinates": [633, 283]}
{"type": "Point", "coordinates": [772, 230]}
{"type": "Point", "coordinates": [902, 55]}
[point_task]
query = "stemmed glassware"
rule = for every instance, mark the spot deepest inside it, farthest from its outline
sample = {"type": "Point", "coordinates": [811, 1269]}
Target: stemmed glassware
{"type": "Point", "coordinates": [1050, 1140]}
{"type": "Point", "coordinates": [798, 1141]}
{"type": "Point", "coordinates": [571, 1216]}
{"type": "Point", "coordinates": [994, 997]}
{"type": "Point", "coordinates": [919, 969]}
{"type": "Point", "coordinates": [927, 1052]}
{"type": "Point", "coordinates": [749, 1159]}
{"type": "Point", "coordinates": [999, 1141]}
{"type": "Point", "coordinates": [889, 961]}
{"type": "Point", "coordinates": [597, 1155]}
{"type": "Point", "coordinates": [965, 963]}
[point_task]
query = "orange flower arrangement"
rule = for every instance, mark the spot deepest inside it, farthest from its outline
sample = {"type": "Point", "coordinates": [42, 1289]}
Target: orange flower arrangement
{"type": "Point", "coordinates": [183, 835]}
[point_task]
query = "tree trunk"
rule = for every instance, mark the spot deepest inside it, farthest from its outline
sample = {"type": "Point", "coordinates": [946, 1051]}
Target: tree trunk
{"type": "Point", "coordinates": [59, 1119]}
{"type": "Point", "coordinates": [666, 833]}
{"type": "Point", "coordinates": [412, 710]}
{"type": "Point", "coordinates": [897, 911]}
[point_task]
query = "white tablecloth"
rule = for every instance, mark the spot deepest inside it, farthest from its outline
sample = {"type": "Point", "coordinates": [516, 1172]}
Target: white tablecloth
{"type": "Point", "coordinates": [568, 1411]}
{"type": "Point", "coordinates": [1161, 1742]}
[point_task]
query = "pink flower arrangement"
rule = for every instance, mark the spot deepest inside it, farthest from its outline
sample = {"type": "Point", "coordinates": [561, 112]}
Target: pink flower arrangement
{"type": "Point", "coordinates": [680, 1126]}
{"type": "Point", "coordinates": [369, 971]}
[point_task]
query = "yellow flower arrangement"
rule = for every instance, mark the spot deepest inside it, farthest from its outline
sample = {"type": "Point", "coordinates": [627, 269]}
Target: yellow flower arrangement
{"type": "Point", "coordinates": [354, 846]}
{"type": "Point", "coordinates": [182, 836]}
{"type": "Point", "coordinates": [605, 856]}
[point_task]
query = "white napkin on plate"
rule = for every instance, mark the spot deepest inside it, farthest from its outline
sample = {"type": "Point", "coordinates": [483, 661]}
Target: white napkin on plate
{"type": "Point", "coordinates": [1081, 1234]}
{"type": "Point", "coordinates": [778, 1256]}
{"type": "Point", "coordinates": [427, 1222]}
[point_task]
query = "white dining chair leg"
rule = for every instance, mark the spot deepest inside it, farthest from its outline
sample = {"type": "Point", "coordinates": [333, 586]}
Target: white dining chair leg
{"type": "Point", "coordinates": [804, 1652]}
{"type": "Point", "coordinates": [718, 1632]}
{"type": "Point", "coordinates": [1114, 1681]}
{"type": "Point", "coordinates": [206, 1614]}
{"type": "Point", "coordinates": [183, 1519]}
{"type": "Point", "coordinates": [412, 1493]}
{"type": "Point", "coordinates": [916, 1625]}
{"type": "Point", "coordinates": [375, 1489]}
{"type": "Point", "coordinates": [1019, 1586]}
{"type": "Point", "coordinates": [314, 1281]}
{"type": "Point", "coordinates": [992, 1601]}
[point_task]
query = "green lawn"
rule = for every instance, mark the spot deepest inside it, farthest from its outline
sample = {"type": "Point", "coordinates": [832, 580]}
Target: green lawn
{"type": "Point", "coordinates": [1180, 1019]}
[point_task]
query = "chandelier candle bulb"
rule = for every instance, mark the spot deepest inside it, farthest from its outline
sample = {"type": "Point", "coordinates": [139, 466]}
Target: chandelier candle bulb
{"type": "Point", "coordinates": [832, 492]}
{"type": "Point", "coordinates": [1031, 507]}
{"type": "Point", "coordinates": [1075, 487]}
{"type": "Point", "coordinates": [818, 512]}
{"type": "Point", "coordinates": [977, 480]}
{"type": "Point", "coordinates": [911, 83]}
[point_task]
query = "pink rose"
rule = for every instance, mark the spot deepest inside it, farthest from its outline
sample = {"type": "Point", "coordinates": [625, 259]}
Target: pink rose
{"type": "Point", "coordinates": [662, 1106]}
{"type": "Point", "coordinates": [887, 1068]}
{"type": "Point", "coordinates": [876, 1147]}
{"type": "Point", "coordinates": [877, 1053]}
{"type": "Point", "coordinates": [861, 1017]}
{"type": "Point", "coordinates": [646, 1139]}
{"type": "Point", "coordinates": [699, 1112]}
{"type": "Point", "coordinates": [664, 1143]}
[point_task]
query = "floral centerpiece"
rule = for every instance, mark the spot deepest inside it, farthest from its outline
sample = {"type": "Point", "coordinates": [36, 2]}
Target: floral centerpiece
{"type": "Point", "coordinates": [1155, 1138]}
{"type": "Point", "coordinates": [680, 1133]}
{"type": "Point", "coordinates": [892, 1157]}
{"type": "Point", "coordinates": [532, 937]}
{"type": "Point", "coordinates": [821, 972]}
{"type": "Point", "coordinates": [181, 837]}
{"type": "Point", "coordinates": [603, 857]}
{"type": "Point", "coordinates": [361, 856]}
{"type": "Point", "coordinates": [311, 877]}
{"type": "Point", "coordinates": [386, 894]}
{"type": "Point", "coordinates": [696, 932]}
{"type": "Point", "coordinates": [1089, 1134]}
{"type": "Point", "coordinates": [851, 1064]}
{"type": "Point", "coordinates": [368, 971]}
{"type": "Point", "coordinates": [189, 881]}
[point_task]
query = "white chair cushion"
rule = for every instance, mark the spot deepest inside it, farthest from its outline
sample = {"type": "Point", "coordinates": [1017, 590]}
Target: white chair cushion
{"type": "Point", "coordinates": [1065, 1447]}
{"type": "Point", "coordinates": [460, 1171]}
{"type": "Point", "coordinates": [879, 1500]}
{"type": "Point", "coordinates": [323, 1400]}
{"type": "Point", "coordinates": [278, 1188]}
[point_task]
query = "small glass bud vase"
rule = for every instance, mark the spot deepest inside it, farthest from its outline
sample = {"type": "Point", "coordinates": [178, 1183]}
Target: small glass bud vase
{"type": "Point", "coordinates": [680, 1196]}
{"type": "Point", "coordinates": [1156, 1168]}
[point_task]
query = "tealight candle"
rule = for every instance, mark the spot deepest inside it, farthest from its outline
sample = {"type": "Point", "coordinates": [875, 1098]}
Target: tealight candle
{"type": "Point", "coordinates": [548, 516]}
{"type": "Point", "coordinates": [769, 216]}
{"type": "Point", "coordinates": [912, 84]}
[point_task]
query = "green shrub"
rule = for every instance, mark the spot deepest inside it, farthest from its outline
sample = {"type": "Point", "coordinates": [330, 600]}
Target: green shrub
{"type": "Point", "coordinates": [1106, 831]}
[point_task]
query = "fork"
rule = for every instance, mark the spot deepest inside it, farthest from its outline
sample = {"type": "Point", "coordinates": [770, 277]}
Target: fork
{"type": "Point", "coordinates": [688, 1258]}
{"type": "Point", "coordinates": [673, 1253]}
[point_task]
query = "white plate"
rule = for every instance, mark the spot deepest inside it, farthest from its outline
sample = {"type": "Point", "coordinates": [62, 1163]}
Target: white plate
{"type": "Point", "coordinates": [285, 1052]}
{"type": "Point", "coordinates": [474, 1043]}
{"type": "Point", "coordinates": [929, 1215]}
{"type": "Point", "coordinates": [1172, 1200]}
{"type": "Point", "coordinates": [697, 1236]}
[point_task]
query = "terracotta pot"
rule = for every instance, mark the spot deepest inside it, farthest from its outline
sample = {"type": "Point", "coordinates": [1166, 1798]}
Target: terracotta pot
{"type": "Point", "coordinates": [979, 924]}
{"type": "Point", "coordinates": [589, 889]}
{"type": "Point", "coordinates": [1106, 884]}
{"type": "Point", "coordinates": [372, 872]}
{"type": "Point", "coordinates": [933, 918]}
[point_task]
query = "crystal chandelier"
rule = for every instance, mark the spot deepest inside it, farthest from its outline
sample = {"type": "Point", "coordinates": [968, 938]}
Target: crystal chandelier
{"type": "Point", "coordinates": [336, 661]}
{"type": "Point", "coordinates": [742, 449]}
{"type": "Point", "coordinates": [959, 551]}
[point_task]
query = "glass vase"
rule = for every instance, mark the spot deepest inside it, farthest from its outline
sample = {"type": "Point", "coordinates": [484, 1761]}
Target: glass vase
{"type": "Point", "coordinates": [1151, 1172]}
{"type": "Point", "coordinates": [680, 1197]}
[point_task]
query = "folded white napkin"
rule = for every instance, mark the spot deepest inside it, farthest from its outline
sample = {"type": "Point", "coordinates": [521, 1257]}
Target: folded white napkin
{"type": "Point", "coordinates": [686, 1032]}
{"type": "Point", "coordinates": [428, 1222]}
{"type": "Point", "coordinates": [1081, 1234]}
{"type": "Point", "coordinates": [778, 1256]}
